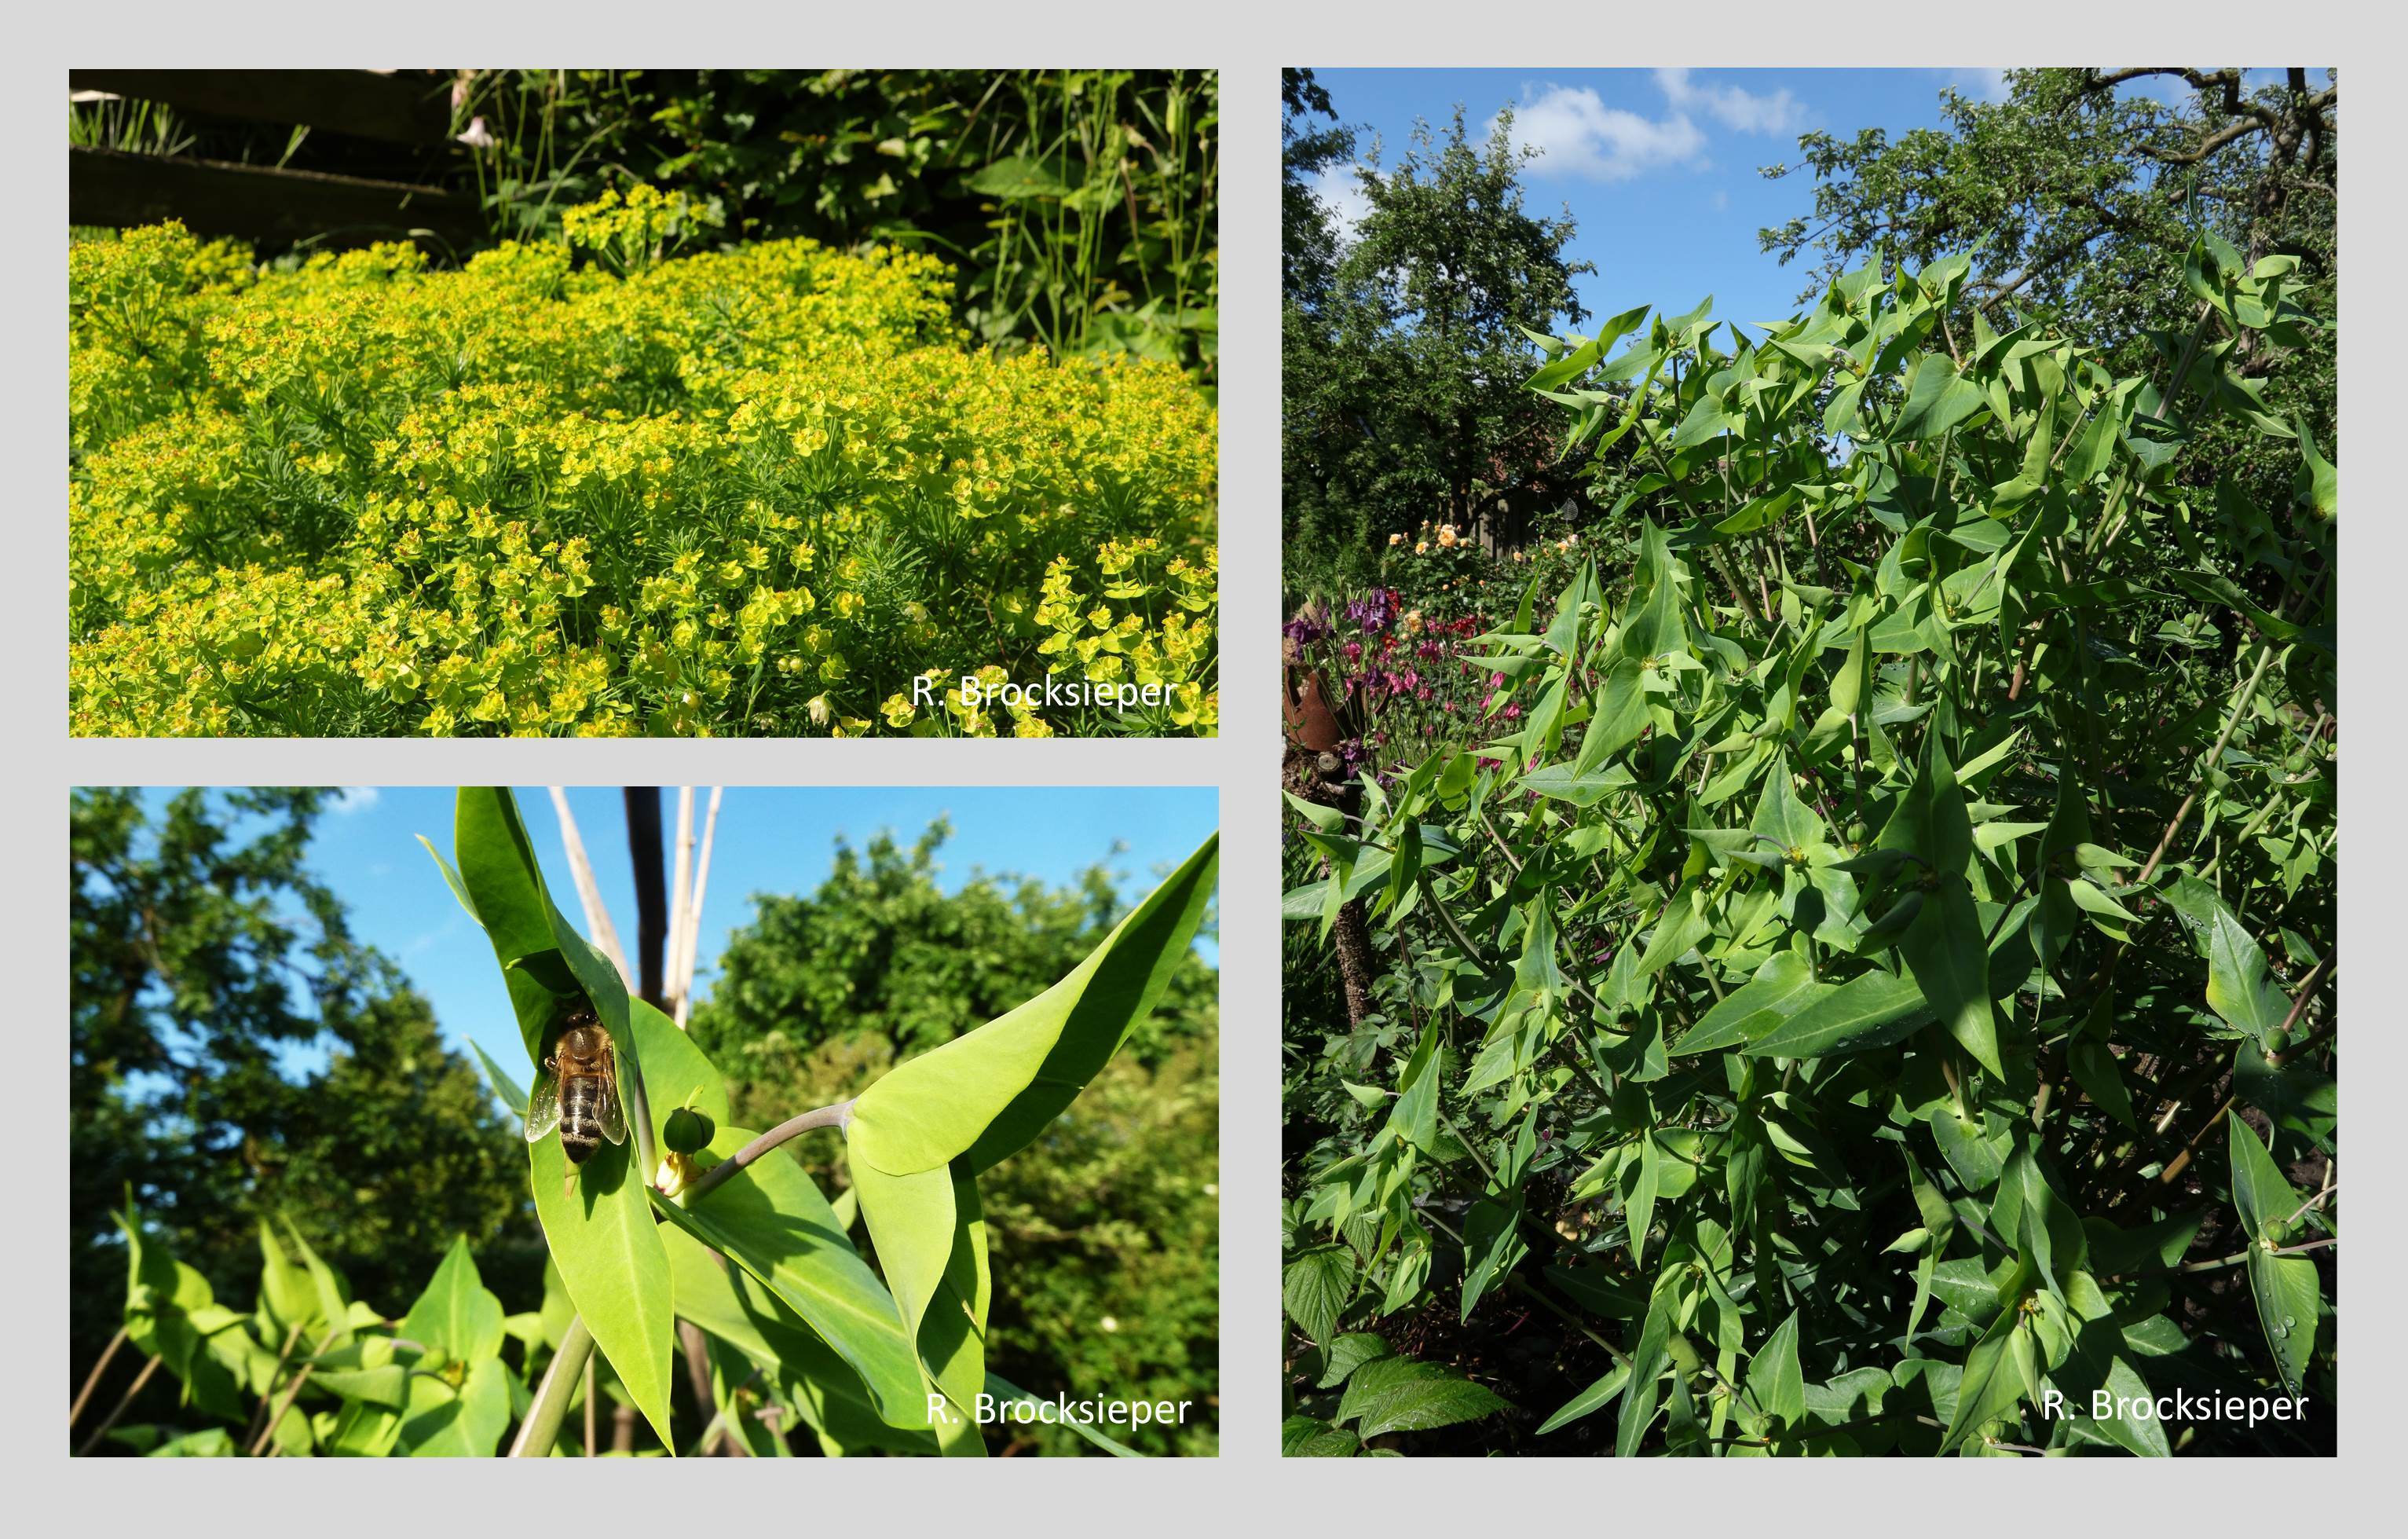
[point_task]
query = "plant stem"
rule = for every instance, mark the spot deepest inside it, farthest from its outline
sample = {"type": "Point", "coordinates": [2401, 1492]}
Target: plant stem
{"type": "Point", "coordinates": [837, 1115]}
{"type": "Point", "coordinates": [2231, 721]}
{"type": "Point", "coordinates": [542, 1427]}
{"type": "Point", "coordinates": [2235, 1259]}
{"type": "Point", "coordinates": [91, 1380]}
{"type": "Point", "coordinates": [122, 1401]}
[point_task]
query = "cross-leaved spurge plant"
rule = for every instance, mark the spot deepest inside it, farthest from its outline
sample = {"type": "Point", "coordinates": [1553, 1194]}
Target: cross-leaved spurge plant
{"type": "Point", "coordinates": [1823, 999]}
{"type": "Point", "coordinates": [752, 491]}
{"type": "Point", "coordinates": [902, 1360]}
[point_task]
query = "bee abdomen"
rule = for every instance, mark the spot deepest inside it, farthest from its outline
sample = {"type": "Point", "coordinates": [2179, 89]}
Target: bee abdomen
{"type": "Point", "coordinates": [580, 1118]}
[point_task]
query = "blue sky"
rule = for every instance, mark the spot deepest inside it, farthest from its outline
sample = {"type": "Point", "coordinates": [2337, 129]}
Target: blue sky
{"type": "Point", "coordinates": [771, 839]}
{"type": "Point", "coordinates": [1658, 168]}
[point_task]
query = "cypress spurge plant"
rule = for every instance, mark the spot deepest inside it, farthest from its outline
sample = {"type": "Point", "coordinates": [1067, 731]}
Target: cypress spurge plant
{"type": "Point", "coordinates": [1821, 1004]}
{"type": "Point", "coordinates": [898, 1363]}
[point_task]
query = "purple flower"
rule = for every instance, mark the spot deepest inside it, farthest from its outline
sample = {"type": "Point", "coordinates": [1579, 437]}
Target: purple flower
{"type": "Point", "coordinates": [1375, 611]}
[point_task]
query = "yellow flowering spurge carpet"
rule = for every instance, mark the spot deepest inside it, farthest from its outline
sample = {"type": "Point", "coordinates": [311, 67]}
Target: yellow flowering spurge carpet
{"type": "Point", "coordinates": [570, 489]}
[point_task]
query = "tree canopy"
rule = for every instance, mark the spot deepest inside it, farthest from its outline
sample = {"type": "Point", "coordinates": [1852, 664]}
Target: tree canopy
{"type": "Point", "coordinates": [1404, 340]}
{"type": "Point", "coordinates": [234, 1053]}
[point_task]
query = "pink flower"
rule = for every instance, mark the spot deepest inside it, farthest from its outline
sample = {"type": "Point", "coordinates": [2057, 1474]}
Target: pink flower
{"type": "Point", "coordinates": [1513, 712]}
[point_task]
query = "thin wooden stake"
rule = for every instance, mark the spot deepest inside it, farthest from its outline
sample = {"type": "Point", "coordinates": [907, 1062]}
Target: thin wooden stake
{"type": "Point", "coordinates": [694, 924]}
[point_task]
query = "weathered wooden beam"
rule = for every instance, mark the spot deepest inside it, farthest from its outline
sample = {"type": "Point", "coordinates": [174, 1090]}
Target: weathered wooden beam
{"type": "Point", "coordinates": [411, 107]}
{"type": "Point", "coordinates": [112, 187]}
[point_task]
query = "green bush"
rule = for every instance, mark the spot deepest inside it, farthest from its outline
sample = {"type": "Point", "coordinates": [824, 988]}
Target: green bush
{"type": "Point", "coordinates": [766, 491]}
{"type": "Point", "coordinates": [1867, 970]}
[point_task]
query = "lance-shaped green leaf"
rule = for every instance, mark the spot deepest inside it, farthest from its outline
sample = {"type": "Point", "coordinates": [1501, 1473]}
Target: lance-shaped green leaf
{"type": "Point", "coordinates": [733, 1304]}
{"type": "Point", "coordinates": [1782, 986]}
{"type": "Point", "coordinates": [1945, 947]}
{"type": "Point", "coordinates": [601, 1232]}
{"type": "Point", "coordinates": [1870, 1010]}
{"type": "Point", "coordinates": [931, 1240]}
{"type": "Point", "coordinates": [988, 1092]}
{"type": "Point", "coordinates": [607, 1250]}
{"type": "Point", "coordinates": [2238, 986]}
{"type": "Point", "coordinates": [1773, 1377]}
{"type": "Point", "coordinates": [2266, 1201]}
{"type": "Point", "coordinates": [772, 1221]}
{"type": "Point", "coordinates": [549, 964]}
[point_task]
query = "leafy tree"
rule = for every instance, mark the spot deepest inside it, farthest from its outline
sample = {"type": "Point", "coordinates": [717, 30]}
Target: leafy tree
{"type": "Point", "coordinates": [207, 970]}
{"type": "Point", "coordinates": [2081, 195]}
{"type": "Point", "coordinates": [822, 993]}
{"type": "Point", "coordinates": [1402, 383]}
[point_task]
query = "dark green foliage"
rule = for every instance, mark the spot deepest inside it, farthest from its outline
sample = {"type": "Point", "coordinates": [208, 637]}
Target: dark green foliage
{"type": "Point", "coordinates": [234, 1053]}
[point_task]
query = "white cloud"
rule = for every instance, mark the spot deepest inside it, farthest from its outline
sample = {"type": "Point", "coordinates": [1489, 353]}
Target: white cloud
{"type": "Point", "coordinates": [1341, 194]}
{"type": "Point", "coordinates": [1721, 198]}
{"type": "Point", "coordinates": [1742, 110]}
{"type": "Point", "coordinates": [355, 798]}
{"type": "Point", "coordinates": [1989, 85]}
{"type": "Point", "coordinates": [1577, 135]}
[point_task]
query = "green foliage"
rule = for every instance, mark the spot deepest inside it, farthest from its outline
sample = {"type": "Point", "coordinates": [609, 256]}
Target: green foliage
{"type": "Point", "coordinates": [1112, 1234]}
{"type": "Point", "coordinates": [773, 490]}
{"type": "Point", "coordinates": [235, 1053]}
{"type": "Point", "coordinates": [1078, 207]}
{"type": "Point", "coordinates": [1081, 205]}
{"type": "Point", "coordinates": [1808, 980]}
{"type": "Point", "coordinates": [2083, 191]}
{"type": "Point", "coordinates": [1403, 343]}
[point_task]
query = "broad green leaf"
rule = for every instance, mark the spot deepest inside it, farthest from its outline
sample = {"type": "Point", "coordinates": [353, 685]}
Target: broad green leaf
{"type": "Point", "coordinates": [2265, 1200]}
{"type": "Point", "coordinates": [1316, 1288]}
{"type": "Point", "coordinates": [2290, 1296]}
{"type": "Point", "coordinates": [988, 1092]}
{"type": "Point", "coordinates": [1936, 398]}
{"type": "Point", "coordinates": [1352, 1351]}
{"type": "Point", "coordinates": [603, 1239]}
{"type": "Point", "coordinates": [442, 1422]}
{"type": "Point", "coordinates": [1773, 1377]}
{"type": "Point", "coordinates": [1306, 1437]}
{"type": "Point", "coordinates": [456, 1315]}
{"type": "Point", "coordinates": [1400, 1395]}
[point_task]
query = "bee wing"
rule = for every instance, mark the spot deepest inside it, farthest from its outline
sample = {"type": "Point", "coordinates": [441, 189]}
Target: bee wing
{"type": "Point", "coordinates": [543, 1107]}
{"type": "Point", "coordinates": [614, 1123]}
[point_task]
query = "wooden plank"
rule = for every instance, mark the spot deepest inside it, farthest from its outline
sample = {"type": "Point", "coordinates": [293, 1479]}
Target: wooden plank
{"type": "Point", "coordinates": [410, 106]}
{"type": "Point", "coordinates": [259, 203]}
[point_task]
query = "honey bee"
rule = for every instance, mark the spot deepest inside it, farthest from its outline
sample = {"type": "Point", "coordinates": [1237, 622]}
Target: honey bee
{"type": "Point", "coordinates": [577, 1093]}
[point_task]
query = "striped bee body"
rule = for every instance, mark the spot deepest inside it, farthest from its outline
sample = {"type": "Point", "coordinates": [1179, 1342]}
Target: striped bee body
{"type": "Point", "coordinates": [581, 1103]}
{"type": "Point", "coordinates": [579, 1093]}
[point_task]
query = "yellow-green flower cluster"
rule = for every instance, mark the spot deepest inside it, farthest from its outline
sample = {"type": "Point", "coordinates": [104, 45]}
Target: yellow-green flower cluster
{"type": "Point", "coordinates": [752, 491]}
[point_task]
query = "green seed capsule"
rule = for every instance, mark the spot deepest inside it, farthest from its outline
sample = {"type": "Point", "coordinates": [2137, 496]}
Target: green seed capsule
{"type": "Point", "coordinates": [688, 1130]}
